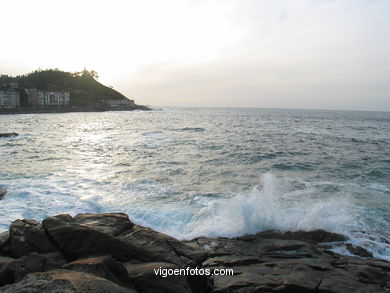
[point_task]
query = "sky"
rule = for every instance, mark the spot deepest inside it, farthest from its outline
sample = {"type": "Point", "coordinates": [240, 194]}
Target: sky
{"type": "Point", "coordinates": [316, 54]}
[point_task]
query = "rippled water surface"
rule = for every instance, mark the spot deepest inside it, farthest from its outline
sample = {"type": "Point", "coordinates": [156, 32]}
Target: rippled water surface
{"type": "Point", "coordinates": [215, 172]}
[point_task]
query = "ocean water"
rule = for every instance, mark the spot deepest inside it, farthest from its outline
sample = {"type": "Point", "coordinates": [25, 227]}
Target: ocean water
{"type": "Point", "coordinates": [192, 172]}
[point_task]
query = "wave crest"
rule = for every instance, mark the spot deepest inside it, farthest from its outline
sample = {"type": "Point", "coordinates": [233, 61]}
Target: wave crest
{"type": "Point", "coordinates": [271, 208]}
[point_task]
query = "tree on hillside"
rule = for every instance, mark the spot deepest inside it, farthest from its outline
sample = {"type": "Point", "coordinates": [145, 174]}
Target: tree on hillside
{"type": "Point", "coordinates": [83, 87]}
{"type": "Point", "coordinates": [86, 73]}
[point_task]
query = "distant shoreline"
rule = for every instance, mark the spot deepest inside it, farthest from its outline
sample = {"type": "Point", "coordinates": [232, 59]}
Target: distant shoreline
{"type": "Point", "coordinates": [69, 109]}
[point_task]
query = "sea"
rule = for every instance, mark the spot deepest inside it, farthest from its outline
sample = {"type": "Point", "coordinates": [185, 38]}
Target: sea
{"type": "Point", "coordinates": [216, 172]}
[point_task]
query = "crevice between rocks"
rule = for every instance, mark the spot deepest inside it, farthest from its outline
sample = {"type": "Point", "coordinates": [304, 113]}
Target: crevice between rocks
{"type": "Point", "coordinates": [317, 288]}
{"type": "Point", "coordinates": [55, 244]}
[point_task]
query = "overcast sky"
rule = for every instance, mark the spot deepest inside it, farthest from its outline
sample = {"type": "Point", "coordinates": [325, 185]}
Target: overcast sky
{"type": "Point", "coordinates": [326, 54]}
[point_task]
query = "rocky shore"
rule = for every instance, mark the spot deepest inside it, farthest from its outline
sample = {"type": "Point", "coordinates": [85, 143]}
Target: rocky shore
{"type": "Point", "coordinates": [109, 253]}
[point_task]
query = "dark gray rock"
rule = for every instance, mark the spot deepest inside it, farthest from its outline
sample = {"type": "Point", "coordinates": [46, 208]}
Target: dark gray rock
{"type": "Point", "coordinates": [13, 270]}
{"type": "Point", "coordinates": [4, 238]}
{"type": "Point", "coordinates": [6, 276]}
{"type": "Point", "coordinates": [2, 193]}
{"type": "Point", "coordinates": [104, 267]}
{"type": "Point", "coordinates": [147, 245]}
{"type": "Point", "coordinates": [77, 240]}
{"type": "Point", "coordinates": [118, 253]}
{"type": "Point", "coordinates": [8, 134]}
{"type": "Point", "coordinates": [5, 249]}
{"type": "Point", "coordinates": [26, 236]}
{"type": "Point", "coordinates": [64, 281]}
{"type": "Point", "coordinates": [315, 236]}
{"type": "Point", "coordinates": [358, 250]}
{"type": "Point", "coordinates": [87, 235]}
{"type": "Point", "coordinates": [345, 280]}
{"type": "Point", "coordinates": [270, 277]}
{"type": "Point", "coordinates": [274, 262]}
{"type": "Point", "coordinates": [256, 246]}
{"type": "Point", "coordinates": [145, 280]}
{"type": "Point", "coordinates": [113, 224]}
{"type": "Point", "coordinates": [302, 275]}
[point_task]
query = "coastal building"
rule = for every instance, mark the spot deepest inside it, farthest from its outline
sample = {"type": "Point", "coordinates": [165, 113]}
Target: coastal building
{"type": "Point", "coordinates": [9, 99]}
{"type": "Point", "coordinates": [32, 95]}
{"type": "Point", "coordinates": [53, 98]}
{"type": "Point", "coordinates": [47, 98]}
{"type": "Point", "coordinates": [120, 103]}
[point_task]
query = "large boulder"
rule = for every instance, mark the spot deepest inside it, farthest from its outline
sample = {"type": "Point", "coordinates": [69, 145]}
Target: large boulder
{"type": "Point", "coordinates": [113, 224]}
{"type": "Point", "coordinates": [87, 235]}
{"type": "Point", "coordinates": [148, 245]}
{"type": "Point", "coordinates": [27, 236]}
{"type": "Point", "coordinates": [64, 281]}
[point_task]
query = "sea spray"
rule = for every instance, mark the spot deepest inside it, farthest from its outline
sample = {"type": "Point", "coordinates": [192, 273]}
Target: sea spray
{"type": "Point", "coordinates": [269, 207]}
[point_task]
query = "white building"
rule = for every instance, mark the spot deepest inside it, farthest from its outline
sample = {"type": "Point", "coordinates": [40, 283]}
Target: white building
{"type": "Point", "coordinates": [53, 98]}
{"type": "Point", "coordinates": [9, 99]}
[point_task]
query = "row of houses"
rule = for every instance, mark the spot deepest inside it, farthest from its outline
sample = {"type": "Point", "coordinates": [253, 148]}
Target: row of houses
{"type": "Point", "coordinates": [10, 98]}
{"type": "Point", "coordinates": [47, 98]}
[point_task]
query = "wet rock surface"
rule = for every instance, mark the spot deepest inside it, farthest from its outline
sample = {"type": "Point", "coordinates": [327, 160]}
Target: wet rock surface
{"type": "Point", "coordinates": [8, 134]}
{"type": "Point", "coordinates": [2, 193]}
{"type": "Point", "coordinates": [109, 253]}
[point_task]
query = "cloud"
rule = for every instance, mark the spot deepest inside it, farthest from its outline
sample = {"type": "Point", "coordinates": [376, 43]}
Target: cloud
{"type": "Point", "coordinates": [306, 54]}
{"type": "Point", "coordinates": [287, 53]}
{"type": "Point", "coordinates": [257, 80]}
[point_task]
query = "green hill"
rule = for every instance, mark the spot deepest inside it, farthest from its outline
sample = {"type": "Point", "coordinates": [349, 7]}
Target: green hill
{"type": "Point", "coordinates": [83, 87]}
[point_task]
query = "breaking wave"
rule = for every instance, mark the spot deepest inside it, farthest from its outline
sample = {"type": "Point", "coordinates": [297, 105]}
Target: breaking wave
{"type": "Point", "coordinates": [269, 207]}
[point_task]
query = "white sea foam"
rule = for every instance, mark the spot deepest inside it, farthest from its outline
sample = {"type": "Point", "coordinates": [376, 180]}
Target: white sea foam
{"type": "Point", "coordinates": [270, 207]}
